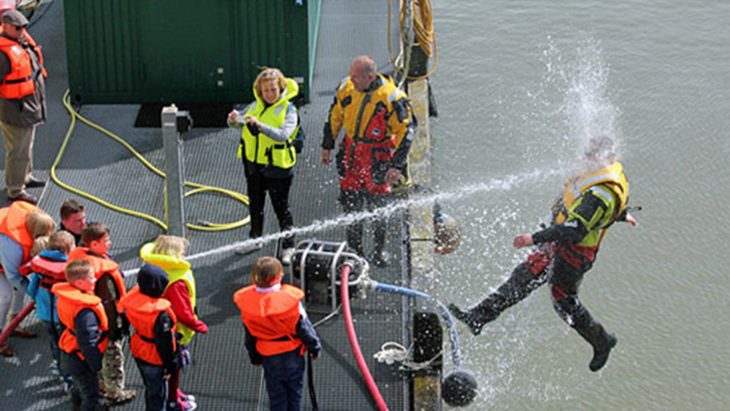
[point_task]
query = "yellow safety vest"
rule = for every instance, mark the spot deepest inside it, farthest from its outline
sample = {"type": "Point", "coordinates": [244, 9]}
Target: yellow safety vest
{"type": "Point", "coordinates": [177, 269]}
{"type": "Point", "coordinates": [608, 184]}
{"type": "Point", "coordinates": [262, 149]}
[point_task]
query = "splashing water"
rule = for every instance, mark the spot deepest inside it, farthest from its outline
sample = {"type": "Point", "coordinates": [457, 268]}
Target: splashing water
{"type": "Point", "coordinates": [583, 80]}
{"type": "Point", "coordinates": [503, 184]}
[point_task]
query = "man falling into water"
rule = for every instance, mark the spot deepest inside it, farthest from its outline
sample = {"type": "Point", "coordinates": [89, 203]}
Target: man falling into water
{"type": "Point", "coordinates": [566, 250]}
{"type": "Point", "coordinates": [378, 126]}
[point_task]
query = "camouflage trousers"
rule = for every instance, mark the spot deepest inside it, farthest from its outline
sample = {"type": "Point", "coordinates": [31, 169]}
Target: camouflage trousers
{"type": "Point", "coordinates": [112, 368]}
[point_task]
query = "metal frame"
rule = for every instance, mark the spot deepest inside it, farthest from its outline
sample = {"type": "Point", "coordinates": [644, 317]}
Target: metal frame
{"type": "Point", "coordinates": [314, 247]}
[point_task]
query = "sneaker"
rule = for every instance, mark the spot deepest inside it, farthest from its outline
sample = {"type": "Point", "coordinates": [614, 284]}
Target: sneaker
{"type": "Point", "coordinates": [23, 196]}
{"type": "Point", "coordinates": [21, 332]}
{"type": "Point", "coordinates": [34, 183]}
{"type": "Point", "coordinates": [286, 255]}
{"type": "Point", "coordinates": [185, 397]}
{"type": "Point", "coordinates": [247, 249]}
{"type": "Point", "coordinates": [120, 397]}
{"type": "Point", "coordinates": [6, 351]}
{"type": "Point", "coordinates": [67, 387]}
{"type": "Point", "coordinates": [189, 405]}
{"type": "Point", "coordinates": [600, 357]}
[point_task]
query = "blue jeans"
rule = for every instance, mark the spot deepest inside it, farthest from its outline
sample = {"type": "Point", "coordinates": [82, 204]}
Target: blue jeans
{"type": "Point", "coordinates": [284, 375]}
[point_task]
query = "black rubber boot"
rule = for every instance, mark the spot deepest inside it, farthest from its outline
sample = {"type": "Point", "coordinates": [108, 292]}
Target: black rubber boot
{"type": "Point", "coordinates": [601, 341]}
{"type": "Point", "coordinates": [600, 355]}
{"type": "Point", "coordinates": [476, 318]}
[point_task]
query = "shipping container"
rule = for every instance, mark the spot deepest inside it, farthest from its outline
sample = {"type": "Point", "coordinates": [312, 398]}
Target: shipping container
{"type": "Point", "coordinates": [143, 51]}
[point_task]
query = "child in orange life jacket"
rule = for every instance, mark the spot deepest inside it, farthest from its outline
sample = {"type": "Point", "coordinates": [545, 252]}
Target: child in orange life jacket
{"type": "Point", "coordinates": [110, 288]}
{"type": "Point", "coordinates": [153, 343]}
{"type": "Point", "coordinates": [167, 253]}
{"type": "Point", "coordinates": [84, 336]}
{"type": "Point", "coordinates": [46, 269]}
{"type": "Point", "coordinates": [278, 332]}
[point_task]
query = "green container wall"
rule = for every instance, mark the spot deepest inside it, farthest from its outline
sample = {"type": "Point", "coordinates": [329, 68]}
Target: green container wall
{"type": "Point", "coordinates": [206, 51]}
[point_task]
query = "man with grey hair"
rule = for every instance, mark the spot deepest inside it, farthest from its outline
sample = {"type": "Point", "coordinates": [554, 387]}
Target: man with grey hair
{"type": "Point", "coordinates": [566, 250]}
{"type": "Point", "coordinates": [378, 124]}
{"type": "Point", "coordinates": [22, 103]}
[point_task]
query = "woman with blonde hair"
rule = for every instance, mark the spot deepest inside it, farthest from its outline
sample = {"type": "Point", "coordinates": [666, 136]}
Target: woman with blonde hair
{"type": "Point", "coordinates": [167, 253]}
{"type": "Point", "coordinates": [271, 137]}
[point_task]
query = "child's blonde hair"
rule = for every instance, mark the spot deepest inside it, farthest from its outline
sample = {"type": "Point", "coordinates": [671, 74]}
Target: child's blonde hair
{"type": "Point", "coordinates": [39, 244]}
{"type": "Point", "coordinates": [40, 224]}
{"type": "Point", "coordinates": [171, 245]}
{"type": "Point", "coordinates": [62, 241]}
{"type": "Point", "coordinates": [265, 271]}
{"type": "Point", "coordinates": [78, 269]}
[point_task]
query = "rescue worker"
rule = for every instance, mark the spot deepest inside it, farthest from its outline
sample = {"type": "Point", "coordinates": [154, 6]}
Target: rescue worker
{"type": "Point", "coordinates": [590, 204]}
{"type": "Point", "coordinates": [22, 103]}
{"type": "Point", "coordinates": [376, 117]}
{"type": "Point", "coordinates": [84, 338]}
{"type": "Point", "coordinates": [271, 137]}
{"type": "Point", "coordinates": [20, 224]}
{"type": "Point", "coordinates": [278, 332]}
{"type": "Point", "coordinates": [153, 344]}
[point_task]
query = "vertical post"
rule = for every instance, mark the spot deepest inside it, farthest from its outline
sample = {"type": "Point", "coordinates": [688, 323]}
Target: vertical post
{"type": "Point", "coordinates": [172, 129]}
{"type": "Point", "coordinates": [427, 346]}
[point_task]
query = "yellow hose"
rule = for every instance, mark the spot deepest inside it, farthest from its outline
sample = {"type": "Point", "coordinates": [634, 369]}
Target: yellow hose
{"type": "Point", "coordinates": [423, 30]}
{"type": "Point", "coordinates": [197, 188]}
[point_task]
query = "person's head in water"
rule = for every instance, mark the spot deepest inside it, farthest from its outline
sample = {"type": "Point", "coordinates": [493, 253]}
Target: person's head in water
{"type": "Point", "coordinates": [362, 72]}
{"type": "Point", "coordinates": [600, 152]}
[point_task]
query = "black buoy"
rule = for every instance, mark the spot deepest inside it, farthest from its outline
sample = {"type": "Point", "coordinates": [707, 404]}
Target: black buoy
{"type": "Point", "coordinates": [459, 388]}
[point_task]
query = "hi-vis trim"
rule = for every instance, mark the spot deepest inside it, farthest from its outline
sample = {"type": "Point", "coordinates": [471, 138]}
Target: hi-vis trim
{"type": "Point", "coordinates": [601, 192]}
{"type": "Point", "coordinates": [394, 95]}
{"type": "Point", "coordinates": [590, 181]}
{"type": "Point", "coordinates": [343, 82]}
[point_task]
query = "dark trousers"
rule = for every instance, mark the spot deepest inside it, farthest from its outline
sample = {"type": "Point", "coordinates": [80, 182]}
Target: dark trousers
{"type": "Point", "coordinates": [284, 375]}
{"type": "Point", "coordinates": [278, 189]}
{"type": "Point", "coordinates": [356, 201]}
{"type": "Point", "coordinates": [85, 393]}
{"type": "Point", "coordinates": [54, 331]}
{"type": "Point", "coordinates": [564, 280]}
{"type": "Point", "coordinates": [155, 386]}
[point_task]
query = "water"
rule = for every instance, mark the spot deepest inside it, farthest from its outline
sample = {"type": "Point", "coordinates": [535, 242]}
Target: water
{"type": "Point", "coordinates": [520, 86]}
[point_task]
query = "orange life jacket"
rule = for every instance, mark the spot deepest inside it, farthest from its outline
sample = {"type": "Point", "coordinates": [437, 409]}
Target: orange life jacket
{"type": "Point", "coordinates": [271, 317]}
{"type": "Point", "coordinates": [13, 224]}
{"type": "Point", "coordinates": [71, 301]}
{"type": "Point", "coordinates": [142, 312]}
{"type": "Point", "coordinates": [51, 272]}
{"type": "Point", "coordinates": [101, 266]}
{"type": "Point", "coordinates": [20, 82]}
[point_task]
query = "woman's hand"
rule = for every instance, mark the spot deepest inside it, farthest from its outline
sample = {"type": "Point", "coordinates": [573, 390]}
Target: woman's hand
{"type": "Point", "coordinates": [249, 119]}
{"type": "Point", "coordinates": [233, 117]}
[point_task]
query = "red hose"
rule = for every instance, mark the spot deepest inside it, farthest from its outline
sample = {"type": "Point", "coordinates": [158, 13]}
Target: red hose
{"type": "Point", "coordinates": [14, 323]}
{"type": "Point", "coordinates": [354, 345]}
